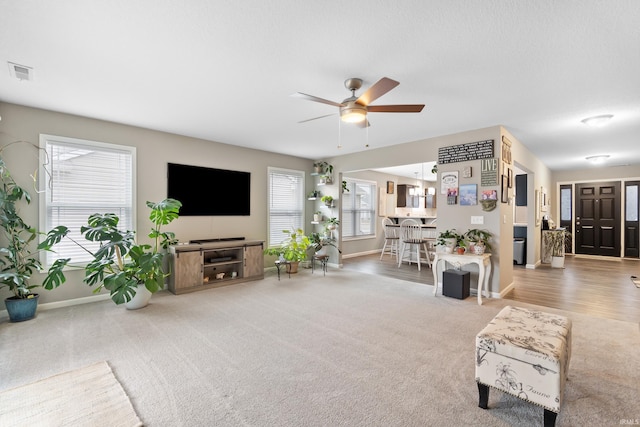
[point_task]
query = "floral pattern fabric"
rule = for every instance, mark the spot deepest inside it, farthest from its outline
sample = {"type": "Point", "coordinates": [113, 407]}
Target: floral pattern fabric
{"type": "Point", "coordinates": [525, 353]}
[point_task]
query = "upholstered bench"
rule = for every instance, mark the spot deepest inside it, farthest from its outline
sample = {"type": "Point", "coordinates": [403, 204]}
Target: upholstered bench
{"type": "Point", "coordinates": [525, 353]}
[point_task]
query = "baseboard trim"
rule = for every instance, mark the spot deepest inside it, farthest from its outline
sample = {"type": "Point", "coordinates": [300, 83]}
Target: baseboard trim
{"type": "Point", "coordinates": [371, 252]}
{"type": "Point", "coordinates": [66, 303]}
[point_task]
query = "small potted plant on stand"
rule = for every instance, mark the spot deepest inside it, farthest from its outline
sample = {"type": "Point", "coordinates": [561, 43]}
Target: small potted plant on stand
{"type": "Point", "coordinates": [293, 248]}
{"type": "Point", "coordinates": [317, 216]}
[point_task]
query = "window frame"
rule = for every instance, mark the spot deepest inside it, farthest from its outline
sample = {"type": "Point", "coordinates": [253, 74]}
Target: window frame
{"type": "Point", "coordinates": [45, 183]}
{"type": "Point", "coordinates": [348, 211]}
{"type": "Point", "coordinates": [302, 176]}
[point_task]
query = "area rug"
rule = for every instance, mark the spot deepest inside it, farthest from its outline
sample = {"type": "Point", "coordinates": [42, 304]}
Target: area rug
{"type": "Point", "coordinates": [89, 396]}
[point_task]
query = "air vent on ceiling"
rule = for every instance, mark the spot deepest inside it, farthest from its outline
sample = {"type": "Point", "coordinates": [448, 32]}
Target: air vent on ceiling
{"type": "Point", "coordinates": [21, 72]}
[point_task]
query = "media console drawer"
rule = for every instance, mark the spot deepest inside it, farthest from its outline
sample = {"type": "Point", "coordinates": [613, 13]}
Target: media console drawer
{"type": "Point", "coordinates": [207, 265]}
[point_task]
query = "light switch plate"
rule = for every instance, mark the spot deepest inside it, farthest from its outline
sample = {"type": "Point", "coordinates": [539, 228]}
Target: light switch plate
{"type": "Point", "coordinates": [477, 219]}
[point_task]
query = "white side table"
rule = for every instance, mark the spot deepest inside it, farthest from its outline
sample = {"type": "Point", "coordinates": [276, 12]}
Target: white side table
{"type": "Point", "coordinates": [484, 269]}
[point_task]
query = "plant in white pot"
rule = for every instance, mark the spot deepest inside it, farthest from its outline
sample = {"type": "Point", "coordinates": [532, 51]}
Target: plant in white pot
{"type": "Point", "coordinates": [478, 240]}
{"type": "Point", "coordinates": [555, 242]}
{"type": "Point", "coordinates": [448, 240]}
{"type": "Point", "coordinates": [129, 270]}
{"type": "Point", "coordinates": [18, 257]}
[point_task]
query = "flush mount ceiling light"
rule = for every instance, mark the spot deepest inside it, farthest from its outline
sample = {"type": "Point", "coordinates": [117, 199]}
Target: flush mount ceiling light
{"type": "Point", "coordinates": [597, 159]}
{"type": "Point", "coordinates": [598, 121]}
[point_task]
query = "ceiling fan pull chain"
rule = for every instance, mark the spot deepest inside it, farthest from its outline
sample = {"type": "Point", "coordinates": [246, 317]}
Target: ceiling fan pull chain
{"type": "Point", "coordinates": [339, 133]}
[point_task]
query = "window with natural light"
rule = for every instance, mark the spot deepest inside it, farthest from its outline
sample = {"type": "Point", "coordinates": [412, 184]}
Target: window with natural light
{"type": "Point", "coordinates": [286, 203]}
{"type": "Point", "coordinates": [358, 209]}
{"type": "Point", "coordinates": [79, 178]}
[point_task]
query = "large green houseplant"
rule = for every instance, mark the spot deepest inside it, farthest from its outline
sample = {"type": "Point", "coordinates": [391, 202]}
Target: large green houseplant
{"type": "Point", "coordinates": [121, 264]}
{"type": "Point", "coordinates": [18, 257]}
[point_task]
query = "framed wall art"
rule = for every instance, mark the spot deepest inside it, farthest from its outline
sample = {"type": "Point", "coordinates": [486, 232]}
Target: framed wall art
{"type": "Point", "coordinates": [504, 189]}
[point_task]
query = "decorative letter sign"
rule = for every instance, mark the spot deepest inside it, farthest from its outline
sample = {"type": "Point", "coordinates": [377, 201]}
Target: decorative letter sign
{"type": "Point", "coordinates": [465, 152]}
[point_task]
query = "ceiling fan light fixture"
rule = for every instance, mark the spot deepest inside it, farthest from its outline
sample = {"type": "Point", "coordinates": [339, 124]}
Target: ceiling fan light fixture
{"type": "Point", "coordinates": [353, 114]}
{"type": "Point", "coordinates": [598, 121]}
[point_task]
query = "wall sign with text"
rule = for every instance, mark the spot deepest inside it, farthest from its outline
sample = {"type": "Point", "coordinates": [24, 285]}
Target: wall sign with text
{"type": "Point", "coordinates": [466, 152]}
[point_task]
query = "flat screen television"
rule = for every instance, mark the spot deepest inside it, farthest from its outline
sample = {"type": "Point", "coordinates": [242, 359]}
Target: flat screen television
{"type": "Point", "coordinates": [207, 191]}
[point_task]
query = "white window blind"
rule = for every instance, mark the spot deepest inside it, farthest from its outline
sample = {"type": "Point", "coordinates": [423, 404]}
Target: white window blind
{"type": "Point", "coordinates": [286, 203]}
{"type": "Point", "coordinates": [358, 208]}
{"type": "Point", "coordinates": [80, 178]}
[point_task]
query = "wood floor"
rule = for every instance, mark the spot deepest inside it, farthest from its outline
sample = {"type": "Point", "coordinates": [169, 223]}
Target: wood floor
{"type": "Point", "coordinates": [600, 288]}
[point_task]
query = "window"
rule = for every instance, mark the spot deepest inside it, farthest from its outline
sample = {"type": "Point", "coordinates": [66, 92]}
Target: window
{"type": "Point", "coordinates": [358, 211]}
{"type": "Point", "coordinates": [286, 203]}
{"type": "Point", "coordinates": [80, 178]}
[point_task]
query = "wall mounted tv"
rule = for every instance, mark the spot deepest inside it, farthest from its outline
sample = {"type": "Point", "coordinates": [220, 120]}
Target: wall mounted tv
{"type": "Point", "coordinates": [206, 191]}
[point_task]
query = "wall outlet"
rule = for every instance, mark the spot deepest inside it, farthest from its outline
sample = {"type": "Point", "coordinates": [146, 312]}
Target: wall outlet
{"type": "Point", "coordinates": [477, 219]}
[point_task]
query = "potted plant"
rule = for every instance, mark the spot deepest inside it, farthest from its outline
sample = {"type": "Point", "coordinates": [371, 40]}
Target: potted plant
{"type": "Point", "coordinates": [314, 195]}
{"type": "Point", "coordinates": [327, 200]}
{"type": "Point", "coordinates": [319, 167]}
{"type": "Point", "coordinates": [332, 223]}
{"type": "Point", "coordinates": [319, 243]}
{"type": "Point", "coordinates": [345, 189]}
{"type": "Point", "coordinates": [554, 240]}
{"type": "Point", "coordinates": [18, 259]}
{"type": "Point", "coordinates": [478, 240]}
{"type": "Point", "coordinates": [461, 246]}
{"type": "Point", "coordinates": [448, 239]}
{"type": "Point", "coordinates": [293, 248]}
{"type": "Point", "coordinates": [317, 216]}
{"type": "Point", "coordinates": [129, 270]}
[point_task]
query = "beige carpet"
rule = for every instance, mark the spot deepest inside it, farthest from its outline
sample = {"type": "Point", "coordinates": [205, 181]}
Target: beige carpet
{"type": "Point", "coordinates": [90, 396]}
{"type": "Point", "coordinates": [348, 349]}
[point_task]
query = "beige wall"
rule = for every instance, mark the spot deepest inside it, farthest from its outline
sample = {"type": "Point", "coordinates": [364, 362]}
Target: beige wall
{"type": "Point", "coordinates": [154, 151]}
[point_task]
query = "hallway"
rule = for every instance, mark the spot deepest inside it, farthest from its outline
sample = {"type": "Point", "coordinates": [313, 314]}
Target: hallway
{"type": "Point", "coordinates": [600, 288]}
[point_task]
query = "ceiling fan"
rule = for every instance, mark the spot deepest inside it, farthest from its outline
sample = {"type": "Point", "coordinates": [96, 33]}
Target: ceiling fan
{"type": "Point", "coordinates": [354, 109]}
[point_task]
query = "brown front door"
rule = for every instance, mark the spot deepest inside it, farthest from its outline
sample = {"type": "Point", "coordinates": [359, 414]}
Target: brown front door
{"type": "Point", "coordinates": [598, 218]}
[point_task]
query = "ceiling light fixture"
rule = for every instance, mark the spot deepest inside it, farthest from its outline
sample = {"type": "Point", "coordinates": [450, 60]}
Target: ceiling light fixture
{"type": "Point", "coordinates": [598, 121]}
{"type": "Point", "coordinates": [353, 113]}
{"type": "Point", "coordinates": [597, 159]}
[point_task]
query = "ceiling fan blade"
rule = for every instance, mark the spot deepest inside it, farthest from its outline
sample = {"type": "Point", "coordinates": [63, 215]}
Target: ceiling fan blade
{"type": "Point", "coordinates": [316, 118]}
{"type": "Point", "coordinates": [381, 87]}
{"type": "Point", "coordinates": [315, 99]}
{"type": "Point", "coordinates": [407, 108]}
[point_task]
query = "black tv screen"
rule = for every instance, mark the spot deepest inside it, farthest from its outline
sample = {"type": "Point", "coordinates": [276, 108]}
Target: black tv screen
{"type": "Point", "coordinates": [207, 191]}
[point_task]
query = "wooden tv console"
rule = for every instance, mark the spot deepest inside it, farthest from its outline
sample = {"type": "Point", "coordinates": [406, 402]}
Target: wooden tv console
{"type": "Point", "coordinates": [198, 266]}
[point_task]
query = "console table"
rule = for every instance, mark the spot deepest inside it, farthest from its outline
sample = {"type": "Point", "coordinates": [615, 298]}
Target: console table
{"type": "Point", "coordinates": [209, 264]}
{"type": "Point", "coordinates": [484, 269]}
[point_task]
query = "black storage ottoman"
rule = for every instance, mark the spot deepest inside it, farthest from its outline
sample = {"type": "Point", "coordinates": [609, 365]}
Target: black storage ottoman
{"type": "Point", "coordinates": [455, 283]}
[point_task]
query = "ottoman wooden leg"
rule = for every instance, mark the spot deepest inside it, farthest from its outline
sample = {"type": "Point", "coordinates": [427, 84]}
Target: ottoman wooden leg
{"type": "Point", "coordinates": [549, 418]}
{"type": "Point", "coordinates": [483, 392]}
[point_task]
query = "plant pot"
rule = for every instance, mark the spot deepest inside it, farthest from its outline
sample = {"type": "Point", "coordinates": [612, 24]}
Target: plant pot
{"type": "Point", "coordinates": [294, 267]}
{"type": "Point", "coordinates": [317, 218]}
{"type": "Point", "coordinates": [21, 309]}
{"type": "Point", "coordinates": [557, 262]}
{"type": "Point", "coordinates": [478, 249]}
{"type": "Point", "coordinates": [140, 299]}
{"type": "Point", "coordinates": [460, 251]}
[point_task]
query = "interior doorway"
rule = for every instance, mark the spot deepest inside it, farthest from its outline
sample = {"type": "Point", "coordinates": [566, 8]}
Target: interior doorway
{"type": "Point", "coordinates": [597, 230]}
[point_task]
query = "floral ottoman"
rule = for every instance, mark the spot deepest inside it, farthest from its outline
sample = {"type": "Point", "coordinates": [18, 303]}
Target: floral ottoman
{"type": "Point", "coordinates": [525, 353]}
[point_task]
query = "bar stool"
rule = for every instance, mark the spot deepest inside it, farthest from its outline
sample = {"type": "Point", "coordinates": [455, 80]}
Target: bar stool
{"type": "Point", "coordinates": [390, 238]}
{"type": "Point", "coordinates": [410, 237]}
